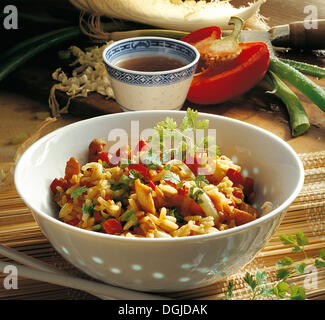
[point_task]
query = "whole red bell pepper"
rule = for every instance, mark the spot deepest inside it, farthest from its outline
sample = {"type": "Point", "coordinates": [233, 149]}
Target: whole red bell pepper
{"type": "Point", "coordinates": [222, 76]}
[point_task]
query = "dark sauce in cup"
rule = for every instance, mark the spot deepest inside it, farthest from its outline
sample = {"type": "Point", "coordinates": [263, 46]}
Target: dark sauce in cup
{"type": "Point", "coordinates": [151, 64]}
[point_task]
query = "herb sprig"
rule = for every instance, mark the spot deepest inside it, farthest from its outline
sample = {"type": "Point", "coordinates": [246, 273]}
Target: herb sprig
{"type": "Point", "coordinates": [183, 139]}
{"type": "Point", "coordinates": [286, 266]}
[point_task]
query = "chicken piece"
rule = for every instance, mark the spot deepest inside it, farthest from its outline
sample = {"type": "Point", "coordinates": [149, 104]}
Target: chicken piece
{"type": "Point", "coordinates": [144, 196]}
{"type": "Point", "coordinates": [171, 196]}
{"type": "Point", "coordinates": [219, 200]}
{"type": "Point", "coordinates": [241, 217]}
{"type": "Point", "coordinates": [221, 166]}
{"type": "Point", "coordinates": [159, 198]}
{"type": "Point", "coordinates": [248, 208]}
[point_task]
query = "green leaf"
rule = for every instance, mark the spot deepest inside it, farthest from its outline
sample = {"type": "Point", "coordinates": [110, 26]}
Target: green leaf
{"type": "Point", "coordinates": [126, 215]}
{"type": "Point", "coordinates": [174, 212]}
{"type": "Point", "coordinates": [296, 249]}
{"type": "Point", "coordinates": [122, 183]}
{"type": "Point", "coordinates": [319, 263]}
{"type": "Point", "coordinates": [168, 124]}
{"type": "Point", "coordinates": [202, 124]}
{"type": "Point", "coordinates": [201, 181]}
{"type": "Point", "coordinates": [214, 151]}
{"type": "Point", "coordinates": [88, 209]}
{"type": "Point", "coordinates": [172, 177]}
{"type": "Point", "coordinates": [189, 120]}
{"type": "Point", "coordinates": [267, 292]}
{"type": "Point", "coordinates": [97, 227]}
{"type": "Point", "coordinates": [302, 240]}
{"type": "Point", "coordinates": [287, 239]}
{"type": "Point", "coordinates": [281, 289]}
{"type": "Point", "coordinates": [297, 293]}
{"type": "Point", "coordinates": [260, 277]}
{"type": "Point", "coordinates": [250, 281]}
{"type": "Point", "coordinates": [152, 160]}
{"type": "Point", "coordinates": [78, 192]}
{"type": "Point", "coordinates": [167, 156]}
{"type": "Point", "coordinates": [301, 268]}
{"type": "Point", "coordinates": [134, 174]}
{"type": "Point", "coordinates": [129, 216]}
{"type": "Point", "coordinates": [196, 194]}
{"type": "Point", "coordinates": [322, 253]}
{"type": "Point", "coordinates": [167, 167]}
{"type": "Point", "coordinates": [286, 261]}
{"type": "Point", "coordinates": [230, 290]}
{"type": "Point", "coordinates": [283, 274]}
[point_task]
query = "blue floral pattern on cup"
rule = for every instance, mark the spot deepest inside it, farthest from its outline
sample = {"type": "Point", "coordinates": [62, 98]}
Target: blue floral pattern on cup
{"type": "Point", "coordinates": [149, 46]}
{"type": "Point", "coordinates": [149, 80]}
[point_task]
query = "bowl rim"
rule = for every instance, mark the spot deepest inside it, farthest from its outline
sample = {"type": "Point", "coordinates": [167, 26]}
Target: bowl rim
{"type": "Point", "coordinates": [215, 235]}
{"type": "Point", "coordinates": [152, 73]}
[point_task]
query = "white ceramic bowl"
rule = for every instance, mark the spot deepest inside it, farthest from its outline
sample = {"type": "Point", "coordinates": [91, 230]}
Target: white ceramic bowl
{"type": "Point", "coordinates": [161, 265]}
{"type": "Point", "coordinates": [160, 90]}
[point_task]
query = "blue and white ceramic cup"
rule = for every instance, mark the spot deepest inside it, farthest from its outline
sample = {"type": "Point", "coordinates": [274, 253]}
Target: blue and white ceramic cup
{"type": "Point", "coordinates": [159, 90]}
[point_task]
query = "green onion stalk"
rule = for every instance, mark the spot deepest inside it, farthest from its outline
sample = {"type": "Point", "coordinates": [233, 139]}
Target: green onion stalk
{"type": "Point", "coordinates": [309, 88]}
{"type": "Point", "coordinates": [306, 68]}
{"type": "Point", "coordinates": [298, 118]}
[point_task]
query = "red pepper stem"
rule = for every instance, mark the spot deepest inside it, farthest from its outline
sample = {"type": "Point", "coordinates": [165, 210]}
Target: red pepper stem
{"type": "Point", "coordinates": [226, 48]}
{"type": "Point", "coordinates": [238, 24]}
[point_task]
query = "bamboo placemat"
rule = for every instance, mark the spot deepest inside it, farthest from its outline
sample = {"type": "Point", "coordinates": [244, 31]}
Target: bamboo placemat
{"type": "Point", "coordinates": [19, 230]}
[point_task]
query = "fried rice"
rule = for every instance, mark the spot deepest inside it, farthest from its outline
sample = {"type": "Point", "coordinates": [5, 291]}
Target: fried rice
{"type": "Point", "coordinates": [162, 201]}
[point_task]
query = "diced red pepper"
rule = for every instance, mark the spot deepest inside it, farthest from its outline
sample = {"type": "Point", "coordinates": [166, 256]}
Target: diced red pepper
{"type": "Point", "coordinates": [151, 185]}
{"type": "Point", "coordinates": [123, 152]}
{"type": "Point", "coordinates": [248, 186]}
{"type": "Point", "coordinates": [104, 156]}
{"type": "Point", "coordinates": [73, 222]}
{"type": "Point", "coordinates": [112, 226]}
{"type": "Point", "coordinates": [141, 168]}
{"type": "Point", "coordinates": [72, 167]}
{"type": "Point", "coordinates": [194, 162]}
{"type": "Point", "coordinates": [141, 146]}
{"type": "Point", "coordinates": [58, 182]}
{"type": "Point", "coordinates": [235, 177]}
{"type": "Point", "coordinates": [183, 190]}
{"type": "Point", "coordinates": [238, 194]}
{"type": "Point", "coordinates": [108, 197]}
{"type": "Point", "coordinates": [98, 217]}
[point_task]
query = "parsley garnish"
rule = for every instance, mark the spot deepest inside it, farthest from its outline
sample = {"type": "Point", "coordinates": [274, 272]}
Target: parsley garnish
{"type": "Point", "coordinates": [171, 177]}
{"type": "Point", "coordinates": [134, 175]}
{"type": "Point", "coordinates": [152, 160]}
{"type": "Point", "coordinates": [182, 139]}
{"type": "Point", "coordinates": [129, 216]}
{"type": "Point", "coordinates": [282, 289]}
{"type": "Point", "coordinates": [167, 167]}
{"type": "Point", "coordinates": [88, 209]}
{"type": "Point", "coordinates": [174, 212]}
{"type": "Point", "coordinates": [201, 181]}
{"type": "Point", "coordinates": [196, 194]}
{"type": "Point", "coordinates": [190, 121]}
{"type": "Point", "coordinates": [122, 183]}
{"type": "Point", "coordinates": [78, 192]}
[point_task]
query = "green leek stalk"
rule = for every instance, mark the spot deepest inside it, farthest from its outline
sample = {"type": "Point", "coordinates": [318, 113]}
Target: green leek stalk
{"type": "Point", "coordinates": [309, 88]}
{"type": "Point", "coordinates": [306, 68]}
{"type": "Point", "coordinates": [43, 42]}
{"type": "Point", "coordinates": [298, 118]}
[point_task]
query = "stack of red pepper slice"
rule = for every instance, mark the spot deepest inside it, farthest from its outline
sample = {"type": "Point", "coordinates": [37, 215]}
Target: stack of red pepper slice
{"type": "Point", "coordinates": [224, 80]}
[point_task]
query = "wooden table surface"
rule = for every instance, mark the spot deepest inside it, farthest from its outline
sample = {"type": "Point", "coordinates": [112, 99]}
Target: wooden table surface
{"type": "Point", "coordinates": [19, 107]}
